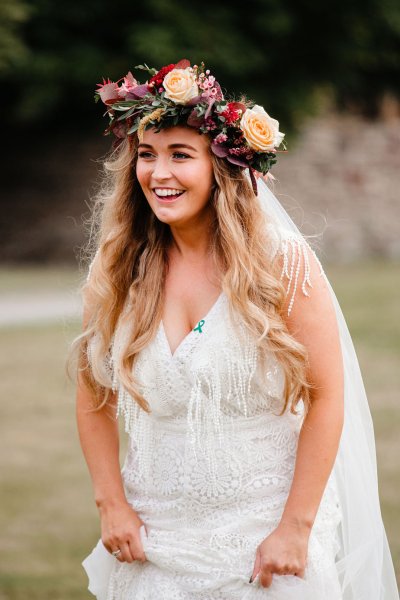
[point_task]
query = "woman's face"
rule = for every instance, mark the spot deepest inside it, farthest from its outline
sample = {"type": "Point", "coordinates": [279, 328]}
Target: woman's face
{"type": "Point", "coordinates": [174, 160]}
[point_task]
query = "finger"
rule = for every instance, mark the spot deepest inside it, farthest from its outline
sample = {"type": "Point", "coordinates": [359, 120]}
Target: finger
{"type": "Point", "coordinates": [116, 552]}
{"type": "Point", "coordinates": [125, 555]}
{"type": "Point", "coordinates": [137, 551]}
{"type": "Point", "coordinates": [256, 567]}
{"type": "Point", "coordinates": [281, 570]}
{"type": "Point", "coordinates": [108, 547]}
{"type": "Point", "coordinates": [265, 578]}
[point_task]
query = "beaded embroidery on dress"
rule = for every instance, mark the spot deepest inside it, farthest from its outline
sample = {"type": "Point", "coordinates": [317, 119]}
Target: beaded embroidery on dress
{"type": "Point", "coordinates": [210, 468]}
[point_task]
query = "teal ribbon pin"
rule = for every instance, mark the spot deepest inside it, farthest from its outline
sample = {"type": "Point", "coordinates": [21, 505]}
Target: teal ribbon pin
{"type": "Point", "coordinates": [199, 326]}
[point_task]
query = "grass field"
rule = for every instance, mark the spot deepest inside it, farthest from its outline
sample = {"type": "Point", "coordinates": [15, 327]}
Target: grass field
{"type": "Point", "coordinates": [48, 522]}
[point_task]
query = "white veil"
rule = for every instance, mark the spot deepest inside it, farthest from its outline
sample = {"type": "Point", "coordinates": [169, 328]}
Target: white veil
{"type": "Point", "coordinates": [364, 563]}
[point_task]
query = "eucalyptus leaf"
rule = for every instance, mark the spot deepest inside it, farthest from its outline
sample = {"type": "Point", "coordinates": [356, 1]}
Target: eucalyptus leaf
{"type": "Point", "coordinates": [127, 114]}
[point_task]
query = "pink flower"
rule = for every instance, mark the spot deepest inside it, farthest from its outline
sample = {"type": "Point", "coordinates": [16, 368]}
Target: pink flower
{"type": "Point", "coordinates": [127, 85]}
{"type": "Point", "coordinates": [221, 138]}
{"type": "Point", "coordinates": [206, 83]}
{"type": "Point", "coordinates": [241, 151]}
{"type": "Point", "coordinates": [210, 124]}
{"type": "Point", "coordinates": [108, 91]}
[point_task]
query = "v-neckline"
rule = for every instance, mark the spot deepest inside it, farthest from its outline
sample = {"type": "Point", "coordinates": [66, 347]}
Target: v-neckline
{"type": "Point", "coordinates": [187, 337]}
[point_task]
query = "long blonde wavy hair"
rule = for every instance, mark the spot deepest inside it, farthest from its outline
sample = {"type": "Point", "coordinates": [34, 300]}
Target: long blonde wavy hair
{"type": "Point", "coordinates": [128, 250]}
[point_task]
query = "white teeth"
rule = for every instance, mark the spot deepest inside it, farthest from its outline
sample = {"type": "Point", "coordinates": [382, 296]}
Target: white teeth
{"type": "Point", "coordinates": [164, 192]}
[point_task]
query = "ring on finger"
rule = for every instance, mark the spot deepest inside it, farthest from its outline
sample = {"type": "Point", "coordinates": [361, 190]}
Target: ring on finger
{"type": "Point", "coordinates": [116, 552]}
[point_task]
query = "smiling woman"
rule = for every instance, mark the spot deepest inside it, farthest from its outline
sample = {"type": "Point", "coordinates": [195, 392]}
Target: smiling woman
{"type": "Point", "coordinates": [210, 326]}
{"type": "Point", "coordinates": [166, 173]}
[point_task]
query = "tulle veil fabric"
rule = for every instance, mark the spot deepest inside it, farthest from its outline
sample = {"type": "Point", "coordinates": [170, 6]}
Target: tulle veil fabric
{"type": "Point", "coordinates": [364, 563]}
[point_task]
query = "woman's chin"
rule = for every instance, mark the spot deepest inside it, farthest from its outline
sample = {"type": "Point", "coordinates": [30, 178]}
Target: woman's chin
{"type": "Point", "coordinates": [167, 216]}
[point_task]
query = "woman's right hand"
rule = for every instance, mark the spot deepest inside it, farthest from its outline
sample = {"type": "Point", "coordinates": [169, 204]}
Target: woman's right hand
{"type": "Point", "coordinates": [120, 530]}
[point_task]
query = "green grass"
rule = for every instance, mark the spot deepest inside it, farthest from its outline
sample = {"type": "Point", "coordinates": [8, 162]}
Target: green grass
{"type": "Point", "coordinates": [369, 295]}
{"type": "Point", "coordinates": [49, 523]}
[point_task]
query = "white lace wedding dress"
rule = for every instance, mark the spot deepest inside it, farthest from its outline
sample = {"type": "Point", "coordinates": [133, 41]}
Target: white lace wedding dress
{"type": "Point", "coordinates": [209, 471]}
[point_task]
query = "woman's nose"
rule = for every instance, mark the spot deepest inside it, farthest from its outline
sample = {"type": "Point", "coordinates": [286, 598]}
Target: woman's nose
{"type": "Point", "coordinates": [161, 169]}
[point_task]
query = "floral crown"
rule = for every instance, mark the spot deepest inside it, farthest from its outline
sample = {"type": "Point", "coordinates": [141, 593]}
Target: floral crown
{"type": "Point", "coordinates": [242, 132]}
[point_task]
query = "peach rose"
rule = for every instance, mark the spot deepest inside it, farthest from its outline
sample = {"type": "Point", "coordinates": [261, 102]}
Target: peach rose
{"type": "Point", "coordinates": [180, 85]}
{"type": "Point", "coordinates": [260, 130]}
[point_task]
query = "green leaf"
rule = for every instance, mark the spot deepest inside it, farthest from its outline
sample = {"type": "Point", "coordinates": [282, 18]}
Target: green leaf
{"type": "Point", "coordinates": [144, 67]}
{"type": "Point", "coordinates": [127, 114]}
{"type": "Point", "coordinates": [133, 128]}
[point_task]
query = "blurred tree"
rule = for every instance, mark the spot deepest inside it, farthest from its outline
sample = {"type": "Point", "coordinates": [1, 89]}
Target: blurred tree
{"type": "Point", "coordinates": [283, 54]}
{"type": "Point", "coordinates": [12, 47]}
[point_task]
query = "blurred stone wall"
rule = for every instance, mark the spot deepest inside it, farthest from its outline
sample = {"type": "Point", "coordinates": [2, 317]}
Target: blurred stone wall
{"type": "Point", "coordinates": [340, 179]}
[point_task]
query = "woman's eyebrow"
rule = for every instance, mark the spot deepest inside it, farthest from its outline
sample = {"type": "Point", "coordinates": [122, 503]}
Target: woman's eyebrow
{"type": "Point", "coordinates": [141, 145]}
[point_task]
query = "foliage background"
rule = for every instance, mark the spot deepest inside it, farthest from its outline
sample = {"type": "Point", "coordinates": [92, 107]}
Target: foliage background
{"type": "Point", "coordinates": [282, 53]}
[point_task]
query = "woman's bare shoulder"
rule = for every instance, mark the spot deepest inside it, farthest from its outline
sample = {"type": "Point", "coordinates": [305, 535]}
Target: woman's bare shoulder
{"type": "Point", "coordinates": [298, 265]}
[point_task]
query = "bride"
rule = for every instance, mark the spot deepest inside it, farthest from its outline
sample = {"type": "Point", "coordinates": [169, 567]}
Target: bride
{"type": "Point", "coordinates": [210, 326]}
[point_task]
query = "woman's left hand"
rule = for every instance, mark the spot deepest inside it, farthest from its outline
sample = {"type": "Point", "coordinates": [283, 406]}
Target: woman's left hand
{"type": "Point", "coordinates": [283, 552]}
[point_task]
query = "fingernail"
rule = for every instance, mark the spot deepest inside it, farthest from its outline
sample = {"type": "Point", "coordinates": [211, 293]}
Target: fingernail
{"type": "Point", "coordinates": [251, 579]}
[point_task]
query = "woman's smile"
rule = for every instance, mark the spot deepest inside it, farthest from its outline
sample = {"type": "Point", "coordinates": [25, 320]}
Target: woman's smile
{"type": "Point", "coordinates": [167, 195]}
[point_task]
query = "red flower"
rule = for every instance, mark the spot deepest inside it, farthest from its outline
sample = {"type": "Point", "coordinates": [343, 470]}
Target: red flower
{"type": "Point", "coordinates": [158, 79]}
{"type": "Point", "coordinates": [233, 112]}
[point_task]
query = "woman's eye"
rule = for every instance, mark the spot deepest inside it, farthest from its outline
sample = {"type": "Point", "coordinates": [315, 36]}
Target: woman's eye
{"type": "Point", "coordinates": [177, 154]}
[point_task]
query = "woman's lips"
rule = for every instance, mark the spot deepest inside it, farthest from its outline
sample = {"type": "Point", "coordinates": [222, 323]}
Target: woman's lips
{"type": "Point", "coordinates": [167, 199]}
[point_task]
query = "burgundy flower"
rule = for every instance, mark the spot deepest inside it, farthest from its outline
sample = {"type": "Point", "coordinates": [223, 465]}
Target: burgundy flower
{"type": "Point", "coordinates": [240, 151]}
{"type": "Point", "coordinates": [184, 63]}
{"type": "Point", "coordinates": [241, 162]}
{"type": "Point", "coordinates": [219, 150]}
{"type": "Point", "coordinates": [194, 120]}
{"type": "Point", "coordinates": [158, 79]}
{"type": "Point", "coordinates": [119, 129]}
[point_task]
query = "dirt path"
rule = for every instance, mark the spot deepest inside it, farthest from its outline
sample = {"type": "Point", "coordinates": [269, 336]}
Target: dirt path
{"type": "Point", "coordinates": [19, 308]}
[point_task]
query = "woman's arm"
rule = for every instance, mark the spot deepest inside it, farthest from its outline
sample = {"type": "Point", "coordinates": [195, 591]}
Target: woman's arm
{"type": "Point", "coordinates": [99, 438]}
{"type": "Point", "coordinates": [312, 322]}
